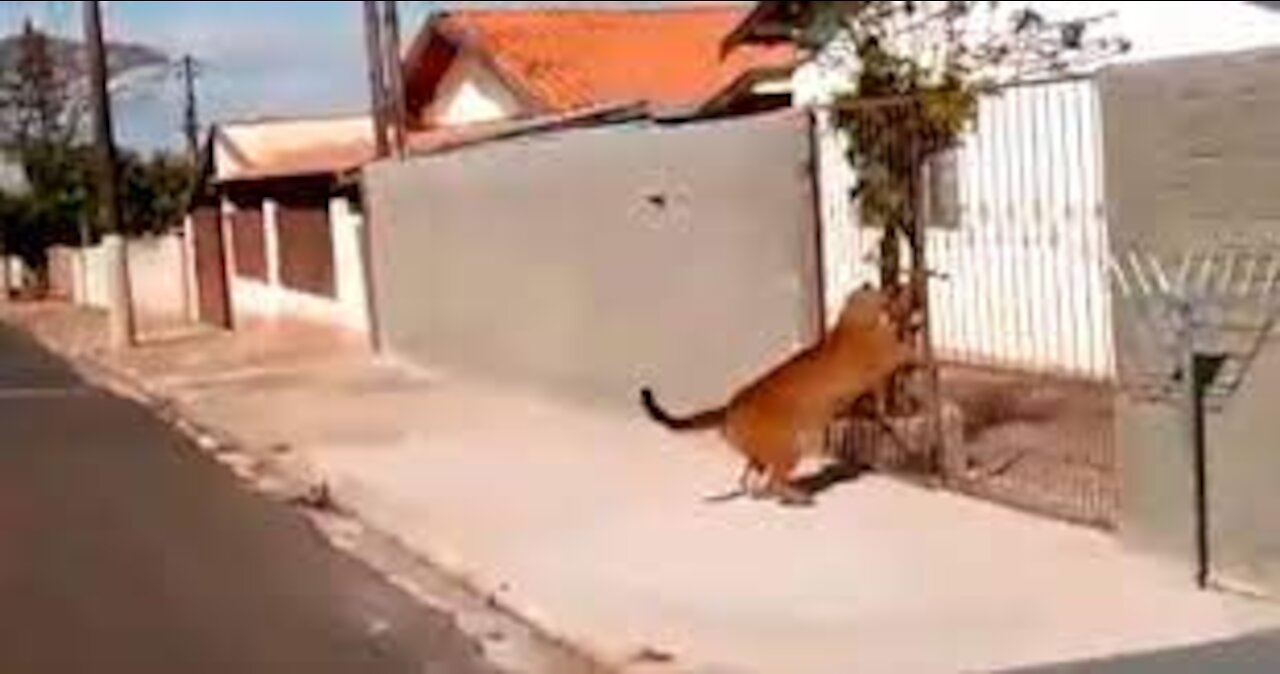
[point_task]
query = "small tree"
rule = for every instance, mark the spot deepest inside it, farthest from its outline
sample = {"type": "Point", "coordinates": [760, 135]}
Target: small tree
{"type": "Point", "coordinates": [41, 115]}
{"type": "Point", "coordinates": [915, 71]}
{"type": "Point", "coordinates": [43, 105]}
{"type": "Point", "coordinates": [155, 191]}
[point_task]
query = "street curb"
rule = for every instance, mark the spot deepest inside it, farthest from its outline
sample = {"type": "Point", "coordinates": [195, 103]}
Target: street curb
{"type": "Point", "coordinates": [317, 498]}
{"type": "Point", "coordinates": [124, 383]}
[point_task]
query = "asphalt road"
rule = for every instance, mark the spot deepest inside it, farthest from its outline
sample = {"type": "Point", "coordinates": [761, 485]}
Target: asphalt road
{"type": "Point", "coordinates": [122, 549]}
{"type": "Point", "coordinates": [1255, 654]}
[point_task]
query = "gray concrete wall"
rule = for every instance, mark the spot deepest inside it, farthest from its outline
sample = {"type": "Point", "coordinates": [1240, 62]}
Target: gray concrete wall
{"type": "Point", "coordinates": [589, 262]}
{"type": "Point", "coordinates": [1193, 158]}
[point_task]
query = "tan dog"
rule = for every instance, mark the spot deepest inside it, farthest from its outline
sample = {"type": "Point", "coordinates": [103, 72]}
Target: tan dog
{"type": "Point", "coordinates": [774, 421]}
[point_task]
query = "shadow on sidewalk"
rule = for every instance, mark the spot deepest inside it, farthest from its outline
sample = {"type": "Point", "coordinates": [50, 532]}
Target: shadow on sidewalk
{"type": "Point", "coordinates": [830, 477]}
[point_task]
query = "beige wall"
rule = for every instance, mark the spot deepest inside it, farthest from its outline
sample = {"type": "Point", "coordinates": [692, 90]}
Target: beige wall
{"type": "Point", "coordinates": [155, 275]}
{"type": "Point", "coordinates": [1192, 159]}
{"type": "Point", "coordinates": [592, 262]}
{"type": "Point", "coordinates": [470, 92]}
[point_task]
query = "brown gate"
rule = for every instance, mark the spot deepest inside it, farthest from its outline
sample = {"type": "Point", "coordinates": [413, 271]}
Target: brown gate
{"type": "Point", "coordinates": [214, 297]}
{"type": "Point", "coordinates": [306, 245]}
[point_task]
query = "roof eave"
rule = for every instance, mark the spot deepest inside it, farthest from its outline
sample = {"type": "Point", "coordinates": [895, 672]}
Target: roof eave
{"type": "Point", "coordinates": [747, 30]}
{"type": "Point", "coordinates": [741, 86]}
{"type": "Point", "coordinates": [467, 42]}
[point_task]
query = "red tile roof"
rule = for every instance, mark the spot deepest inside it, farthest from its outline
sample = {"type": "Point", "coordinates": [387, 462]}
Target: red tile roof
{"type": "Point", "coordinates": [566, 59]}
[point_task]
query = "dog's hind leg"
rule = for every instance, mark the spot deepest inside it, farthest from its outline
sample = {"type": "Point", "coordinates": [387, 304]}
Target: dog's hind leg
{"type": "Point", "coordinates": [751, 482]}
{"type": "Point", "coordinates": [748, 485]}
{"type": "Point", "coordinates": [779, 471]}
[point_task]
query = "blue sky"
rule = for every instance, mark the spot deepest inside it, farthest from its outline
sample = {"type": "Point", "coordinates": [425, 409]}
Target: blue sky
{"type": "Point", "coordinates": [291, 58]}
{"type": "Point", "coordinates": [261, 58]}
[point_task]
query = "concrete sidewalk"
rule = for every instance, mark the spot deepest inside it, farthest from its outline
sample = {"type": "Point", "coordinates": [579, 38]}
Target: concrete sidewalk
{"type": "Point", "coordinates": [591, 523]}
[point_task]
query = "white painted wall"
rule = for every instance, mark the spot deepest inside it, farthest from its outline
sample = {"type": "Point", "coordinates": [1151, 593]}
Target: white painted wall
{"type": "Point", "coordinates": [156, 268]}
{"type": "Point", "coordinates": [271, 300]}
{"type": "Point", "coordinates": [1161, 30]}
{"type": "Point", "coordinates": [348, 253]}
{"type": "Point", "coordinates": [470, 92]}
{"type": "Point", "coordinates": [16, 269]}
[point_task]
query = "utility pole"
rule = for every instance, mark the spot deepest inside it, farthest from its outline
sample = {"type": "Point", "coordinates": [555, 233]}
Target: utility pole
{"type": "Point", "coordinates": [394, 74]}
{"type": "Point", "coordinates": [5, 290]}
{"type": "Point", "coordinates": [191, 129]}
{"type": "Point", "coordinates": [377, 76]}
{"type": "Point", "coordinates": [191, 111]}
{"type": "Point", "coordinates": [120, 308]}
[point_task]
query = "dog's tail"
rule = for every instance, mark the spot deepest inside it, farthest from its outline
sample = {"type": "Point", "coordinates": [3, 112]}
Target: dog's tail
{"type": "Point", "coordinates": [701, 421]}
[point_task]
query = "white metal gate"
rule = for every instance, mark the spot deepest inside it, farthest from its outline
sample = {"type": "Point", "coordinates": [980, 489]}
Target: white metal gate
{"type": "Point", "coordinates": [1017, 234]}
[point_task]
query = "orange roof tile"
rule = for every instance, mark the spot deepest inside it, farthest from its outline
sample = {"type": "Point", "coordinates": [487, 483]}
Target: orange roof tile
{"type": "Point", "coordinates": [568, 59]}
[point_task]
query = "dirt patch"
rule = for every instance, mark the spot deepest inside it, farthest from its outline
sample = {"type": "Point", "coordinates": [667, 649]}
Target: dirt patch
{"type": "Point", "coordinates": [1037, 442]}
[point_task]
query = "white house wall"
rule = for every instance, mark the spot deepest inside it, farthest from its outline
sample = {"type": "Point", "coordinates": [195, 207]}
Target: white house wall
{"type": "Point", "coordinates": [1159, 30]}
{"type": "Point", "coordinates": [270, 300]}
{"type": "Point", "coordinates": [470, 92]}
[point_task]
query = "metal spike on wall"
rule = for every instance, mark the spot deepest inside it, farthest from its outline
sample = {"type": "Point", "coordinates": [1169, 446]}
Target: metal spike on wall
{"type": "Point", "coordinates": [1223, 300]}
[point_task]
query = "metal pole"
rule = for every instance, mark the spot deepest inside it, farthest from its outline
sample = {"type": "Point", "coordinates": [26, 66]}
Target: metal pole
{"type": "Point", "coordinates": [394, 74]}
{"type": "Point", "coordinates": [191, 127]}
{"type": "Point", "coordinates": [377, 78]}
{"type": "Point", "coordinates": [86, 238]}
{"type": "Point", "coordinates": [119, 309]}
{"type": "Point", "coordinates": [5, 289]}
{"type": "Point", "coordinates": [1204, 370]}
{"type": "Point", "coordinates": [1198, 373]}
{"type": "Point", "coordinates": [919, 289]}
{"type": "Point", "coordinates": [1200, 467]}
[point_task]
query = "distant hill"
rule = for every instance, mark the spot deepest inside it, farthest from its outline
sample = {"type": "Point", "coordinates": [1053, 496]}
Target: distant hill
{"type": "Point", "coordinates": [121, 56]}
